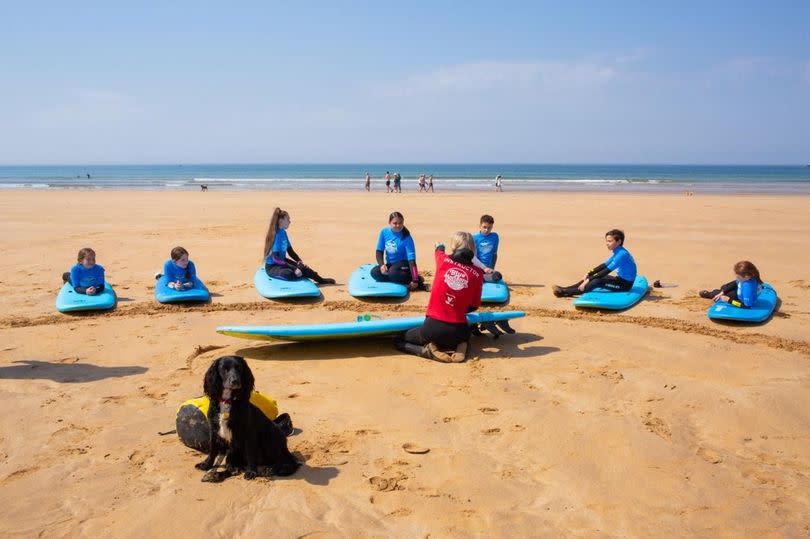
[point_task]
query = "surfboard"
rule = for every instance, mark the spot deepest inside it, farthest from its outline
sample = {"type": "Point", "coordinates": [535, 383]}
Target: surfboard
{"type": "Point", "coordinates": [68, 300]}
{"type": "Point", "coordinates": [363, 285]}
{"type": "Point", "coordinates": [494, 292]}
{"type": "Point", "coordinates": [279, 288]}
{"type": "Point", "coordinates": [349, 330]}
{"type": "Point", "coordinates": [164, 294]}
{"type": "Point", "coordinates": [600, 298]}
{"type": "Point", "coordinates": [763, 308]}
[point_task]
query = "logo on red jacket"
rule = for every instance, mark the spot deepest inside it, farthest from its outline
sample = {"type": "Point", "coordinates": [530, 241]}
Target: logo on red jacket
{"type": "Point", "coordinates": [456, 279]}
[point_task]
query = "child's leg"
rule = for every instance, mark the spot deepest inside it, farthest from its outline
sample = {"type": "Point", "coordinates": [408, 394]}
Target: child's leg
{"type": "Point", "coordinates": [378, 276]}
{"type": "Point", "coordinates": [729, 287]}
{"type": "Point", "coordinates": [565, 291]}
{"type": "Point", "coordinates": [280, 272]}
{"type": "Point", "coordinates": [400, 273]}
{"type": "Point", "coordinates": [310, 273]}
{"type": "Point", "coordinates": [614, 284]}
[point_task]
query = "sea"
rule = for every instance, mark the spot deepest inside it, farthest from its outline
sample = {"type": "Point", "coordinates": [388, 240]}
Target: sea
{"type": "Point", "coordinates": [718, 179]}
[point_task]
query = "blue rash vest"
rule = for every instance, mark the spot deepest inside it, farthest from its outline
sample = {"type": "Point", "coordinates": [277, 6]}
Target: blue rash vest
{"type": "Point", "coordinates": [280, 246]}
{"type": "Point", "coordinates": [623, 261]}
{"type": "Point", "coordinates": [748, 292]}
{"type": "Point", "coordinates": [175, 273]}
{"type": "Point", "coordinates": [486, 247]}
{"type": "Point", "coordinates": [395, 247]}
{"type": "Point", "coordinates": [86, 277]}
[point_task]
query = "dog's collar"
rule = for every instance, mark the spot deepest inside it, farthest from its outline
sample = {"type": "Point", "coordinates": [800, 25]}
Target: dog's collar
{"type": "Point", "coordinates": [226, 401]}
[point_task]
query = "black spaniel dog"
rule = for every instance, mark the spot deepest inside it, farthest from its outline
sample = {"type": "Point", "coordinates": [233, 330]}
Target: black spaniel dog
{"type": "Point", "coordinates": [238, 428]}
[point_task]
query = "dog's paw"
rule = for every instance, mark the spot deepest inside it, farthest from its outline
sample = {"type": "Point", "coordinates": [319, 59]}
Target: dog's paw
{"type": "Point", "coordinates": [204, 465]}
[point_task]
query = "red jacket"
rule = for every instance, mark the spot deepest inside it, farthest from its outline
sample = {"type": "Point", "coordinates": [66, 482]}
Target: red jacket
{"type": "Point", "coordinates": [456, 290]}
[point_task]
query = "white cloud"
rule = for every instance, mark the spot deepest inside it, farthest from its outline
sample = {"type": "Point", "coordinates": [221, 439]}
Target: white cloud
{"type": "Point", "coordinates": [490, 74]}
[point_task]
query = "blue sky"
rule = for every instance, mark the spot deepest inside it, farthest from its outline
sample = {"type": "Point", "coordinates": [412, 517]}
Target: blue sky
{"type": "Point", "coordinates": [531, 82]}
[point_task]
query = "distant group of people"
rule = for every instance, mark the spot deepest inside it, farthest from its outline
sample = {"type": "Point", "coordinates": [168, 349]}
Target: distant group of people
{"type": "Point", "coordinates": [425, 184]}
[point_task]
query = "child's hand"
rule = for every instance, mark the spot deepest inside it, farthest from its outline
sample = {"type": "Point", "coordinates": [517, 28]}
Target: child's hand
{"type": "Point", "coordinates": [718, 297]}
{"type": "Point", "coordinates": [413, 286]}
{"type": "Point", "coordinates": [91, 290]}
{"type": "Point", "coordinates": [724, 298]}
{"type": "Point", "coordinates": [188, 285]}
{"type": "Point", "coordinates": [488, 270]}
{"type": "Point", "coordinates": [384, 269]}
{"type": "Point", "coordinates": [582, 286]}
{"type": "Point", "coordinates": [298, 272]}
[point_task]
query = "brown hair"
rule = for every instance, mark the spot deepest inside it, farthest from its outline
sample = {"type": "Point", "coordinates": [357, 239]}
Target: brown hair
{"type": "Point", "coordinates": [84, 251]}
{"type": "Point", "coordinates": [178, 252]}
{"type": "Point", "coordinates": [745, 268]}
{"type": "Point", "coordinates": [616, 234]}
{"type": "Point", "coordinates": [395, 215]}
{"type": "Point", "coordinates": [270, 238]}
{"type": "Point", "coordinates": [488, 219]}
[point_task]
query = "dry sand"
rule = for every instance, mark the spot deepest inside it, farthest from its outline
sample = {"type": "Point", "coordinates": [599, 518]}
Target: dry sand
{"type": "Point", "coordinates": [651, 422]}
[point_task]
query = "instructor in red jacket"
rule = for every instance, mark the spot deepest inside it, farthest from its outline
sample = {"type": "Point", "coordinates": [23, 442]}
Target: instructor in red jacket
{"type": "Point", "coordinates": [456, 291]}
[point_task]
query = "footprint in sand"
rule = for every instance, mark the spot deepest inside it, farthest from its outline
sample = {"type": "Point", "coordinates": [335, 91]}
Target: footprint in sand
{"type": "Point", "coordinates": [657, 426]}
{"type": "Point", "coordinates": [488, 410]}
{"type": "Point", "coordinates": [490, 432]}
{"type": "Point", "coordinates": [415, 449]}
{"type": "Point", "coordinates": [709, 456]}
{"type": "Point", "coordinates": [384, 484]}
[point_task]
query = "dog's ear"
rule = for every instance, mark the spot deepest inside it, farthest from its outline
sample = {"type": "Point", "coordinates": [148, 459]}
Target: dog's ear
{"type": "Point", "coordinates": [212, 384]}
{"type": "Point", "coordinates": [248, 381]}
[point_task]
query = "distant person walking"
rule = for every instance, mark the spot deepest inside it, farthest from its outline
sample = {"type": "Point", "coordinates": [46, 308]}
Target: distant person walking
{"type": "Point", "coordinates": [397, 182]}
{"type": "Point", "coordinates": [430, 184]}
{"type": "Point", "coordinates": [498, 186]}
{"type": "Point", "coordinates": [387, 182]}
{"type": "Point", "coordinates": [422, 186]}
{"type": "Point", "coordinates": [368, 181]}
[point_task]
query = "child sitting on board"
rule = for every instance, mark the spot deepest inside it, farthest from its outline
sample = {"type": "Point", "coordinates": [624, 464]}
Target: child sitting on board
{"type": "Point", "coordinates": [743, 291]}
{"type": "Point", "coordinates": [486, 249]}
{"type": "Point", "coordinates": [599, 277]}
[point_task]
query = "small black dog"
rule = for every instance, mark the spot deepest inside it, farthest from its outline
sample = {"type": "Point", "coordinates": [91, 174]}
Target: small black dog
{"type": "Point", "coordinates": [238, 428]}
{"type": "Point", "coordinates": [203, 187]}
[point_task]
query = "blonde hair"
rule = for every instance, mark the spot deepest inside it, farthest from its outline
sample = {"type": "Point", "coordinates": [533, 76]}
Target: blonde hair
{"type": "Point", "coordinates": [462, 240]}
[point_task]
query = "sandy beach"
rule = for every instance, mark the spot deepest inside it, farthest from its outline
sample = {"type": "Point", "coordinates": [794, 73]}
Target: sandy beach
{"type": "Point", "coordinates": [650, 422]}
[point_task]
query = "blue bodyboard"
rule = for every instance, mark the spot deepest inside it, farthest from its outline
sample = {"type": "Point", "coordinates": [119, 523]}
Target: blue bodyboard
{"type": "Point", "coordinates": [600, 298]}
{"type": "Point", "coordinates": [164, 294]}
{"type": "Point", "coordinates": [363, 285]}
{"type": "Point", "coordinates": [494, 292]}
{"type": "Point", "coordinates": [280, 289]}
{"type": "Point", "coordinates": [349, 330]}
{"type": "Point", "coordinates": [762, 309]}
{"type": "Point", "coordinates": [69, 300]}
